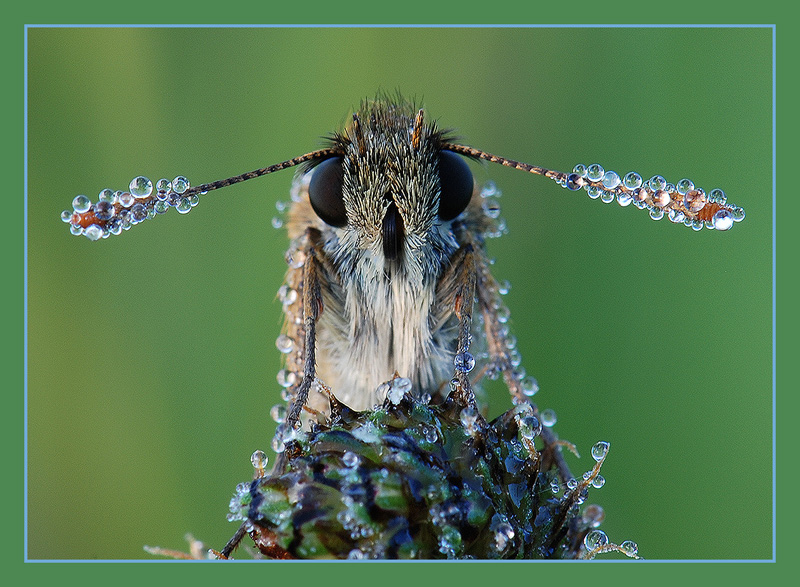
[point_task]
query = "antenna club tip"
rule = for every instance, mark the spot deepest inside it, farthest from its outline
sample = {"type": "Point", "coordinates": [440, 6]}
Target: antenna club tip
{"type": "Point", "coordinates": [682, 202]}
{"type": "Point", "coordinates": [116, 211]}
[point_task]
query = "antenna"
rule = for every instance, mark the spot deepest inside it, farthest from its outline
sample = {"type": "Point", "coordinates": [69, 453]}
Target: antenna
{"type": "Point", "coordinates": [682, 202]}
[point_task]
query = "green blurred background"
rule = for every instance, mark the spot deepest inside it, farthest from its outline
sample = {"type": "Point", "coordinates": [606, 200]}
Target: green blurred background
{"type": "Point", "coordinates": [151, 355]}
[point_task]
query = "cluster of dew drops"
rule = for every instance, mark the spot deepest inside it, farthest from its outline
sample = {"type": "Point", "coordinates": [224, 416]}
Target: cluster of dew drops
{"type": "Point", "coordinates": [680, 202]}
{"type": "Point", "coordinates": [116, 211]}
{"type": "Point", "coordinates": [595, 541]}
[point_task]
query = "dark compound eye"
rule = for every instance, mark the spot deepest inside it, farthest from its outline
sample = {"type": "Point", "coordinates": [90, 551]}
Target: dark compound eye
{"type": "Point", "coordinates": [456, 182]}
{"type": "Point", "coordinates": [325, 192]}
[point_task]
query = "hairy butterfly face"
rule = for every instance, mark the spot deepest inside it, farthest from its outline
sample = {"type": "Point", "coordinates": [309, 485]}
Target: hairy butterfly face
{"type": "Point", "coordinates": [391, 184]}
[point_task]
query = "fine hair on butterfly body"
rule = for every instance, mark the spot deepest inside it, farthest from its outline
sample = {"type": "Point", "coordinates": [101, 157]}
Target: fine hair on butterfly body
{"type": "Point", "coordinates": [389, 292]}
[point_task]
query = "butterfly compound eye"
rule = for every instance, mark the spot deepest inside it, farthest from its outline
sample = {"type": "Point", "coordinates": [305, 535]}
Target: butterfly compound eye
{"type": "Point", "coordinates": [325, 192]}
{"type": "Point", "coordinates": [456, 184]}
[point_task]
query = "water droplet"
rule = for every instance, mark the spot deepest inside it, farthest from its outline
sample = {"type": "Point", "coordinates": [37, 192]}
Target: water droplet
{"type": "Point", "coordinates": [126, 199]}
{"type": "Point", "coordinates": [278, 413]}
{"type": "Point", "coordinates": [163, 185]}
{"type": "Point", "coordinates": [284, 343]}
{"type": "Point", "coordinates": [503, 314]}
{"type": "Point", "coordinates": [286, 378]}
{"type": "Point", "coordinates": [624, 199]}
{"type": "Point", "coordinates": [595, 539]}
{"type": "Point", "coordinates": [277, 222]}
{"type": "Point", "coordinates": [632, 180]}
{"type": "Point", "coordinates": [694, 200]}
{"type": "Point", "coordinates": [630, 548]}
{"type": "Point", "coordinates": [491, 208]}
{"type": "Point", "coordinates": [548, 417]}
{"type": "Point", "coordinates": [640, 195]}
{"type": "Point", "coordinates": [184, 206]}
{"type": "Point", "coordinates": [738, 214]}
{"type": "Point", "coordinates": [138, 212]}
{"type": "Point", "coordinates": [717, 196]}
{"type": "Point", "coordinates": [572, 483]}
{"type": "Point", "coordinates": [594, 172]}
{"type": "Point", "coordinates": [114, 226]}
{"type": "Point", "coordinates": [593, 515]}
{"type": "Point", "coordinates": [106, 195]}
{"type": "Point", "coordinates": [656, 213]}
{"type": "Point", "coordinates": [430, 433]}
{"type": "Point", "coordinates": [580, 169]}
{"type": "Point", "coordinates": [295, 258]}
{"type": "Point", "coordinates": [657, 183]}
{"type": "Point", "coordinates": [684, 186]}
{"type": "Point", "coordinates": [180, 184]}
{"type": "Point", "coordinates": [593, 191]}
{"type": "Point", "coordinates": [511, 343]}
{"type": "Point", "coordinates": [259, 459]}
{"type": "Point", "coordinates": [607, 197]}
{"type": "Point", "coordinates": [66, 216]}
{"type": "Point", "coordinates": [141, 187]}
{"type": "Point", "coordinates": [287, 295]}
{"type": "Point", "coordinates": [554, 486]}
{"type": "Point", "coordinates": [723, 219]}
{"type": "Point", "coordinates": [488, 190]}
{"type": "Point", "coordinates": [283, 435]}
{"type": "Point", "coordinates": [529, 386]}
{"type": "Point", "coordinates": [661, 198]}
{"type": "Point", "coordinates": [504, 287]}
{"type": "Point", "coordinates": [93, 232]}
{"type": "Point", "coordinates": [530, 427]}
{"type": "Point", "coordinates": [161, 207]}
{"type": "Point", "coordinates": [464, 362]}
{"type": "Point", "coordinates": [575, 182]}
{"type": "Point", "coordinates": [469, 419]}
{"type": "Point", "coordinates": [611, 180]}
{"type": "Point", "coordinates": [350, 459]}
{"type": "Point", "coordinates": [598, 481]}
{"type": "Point", "coordinates": [194, 199]}
{"type": "Point", "coordinates": [600, 450]}
{"type": "Point", "coordinates": [103, 210]}
{"type": "Point", "coordinates": [81, 204]}
{"type": "Point", "coordinates": [676, 216]}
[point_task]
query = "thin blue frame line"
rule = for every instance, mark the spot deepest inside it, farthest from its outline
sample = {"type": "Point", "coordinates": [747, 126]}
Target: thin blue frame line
{"type": "Point", "coordinates": [773, 27]}
{"type": "Point", "coordinates": [411, 26]}
{"type": "Point", "coordinates": [774, 299]}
